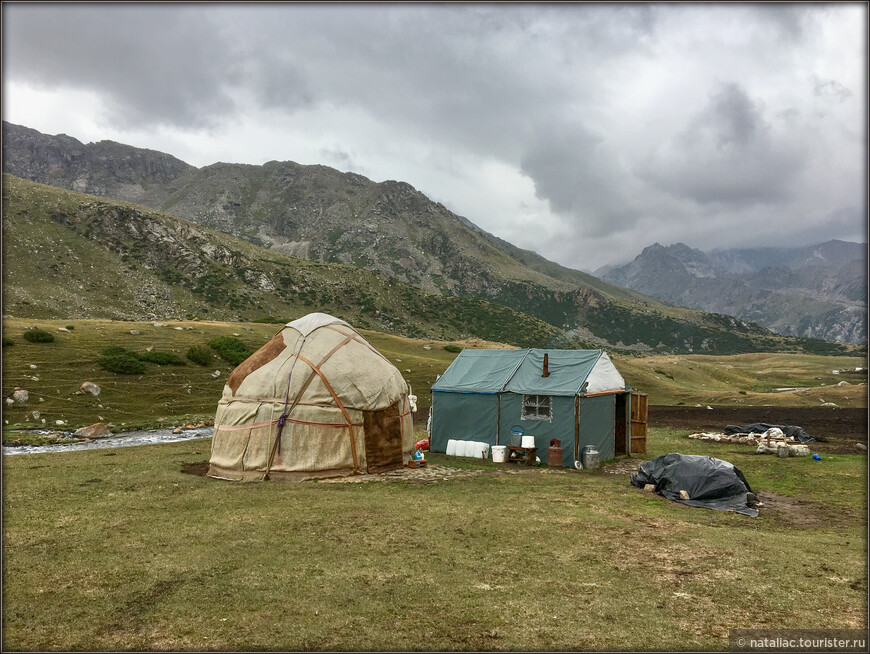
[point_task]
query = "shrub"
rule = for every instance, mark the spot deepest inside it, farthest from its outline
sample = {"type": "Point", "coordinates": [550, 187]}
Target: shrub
{"type": "Point", "coordinates": [270, 320]}
{"type": "Point", "coordinates": [742, 392]}
{"type": "Point", "coordinates": [37, 335]}
{"type": "Point", "coordinates": [7, 342]}
{"type": "Point", "coordinates": [200, 354]}
{"type": "Point", "coordinates": [230, 349]}
{"type": "Point", "coordinates": [70, 327]}
{"type": "Point", "coordinates": [452, 348]}
{"type": "Point", "coordinates": [120, 360]}
{"type": "Point", "coordinates": [161, 358]}
{"type": "Point", "coordinates": [664, 373]}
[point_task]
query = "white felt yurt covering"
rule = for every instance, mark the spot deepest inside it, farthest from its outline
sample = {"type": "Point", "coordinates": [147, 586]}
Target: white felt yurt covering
{"type": "Point", "coordinates": [345, 408]}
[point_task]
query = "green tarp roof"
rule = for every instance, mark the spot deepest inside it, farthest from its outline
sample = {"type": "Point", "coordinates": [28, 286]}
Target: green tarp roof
{"type": "Point", "coordinates": [519, 371]}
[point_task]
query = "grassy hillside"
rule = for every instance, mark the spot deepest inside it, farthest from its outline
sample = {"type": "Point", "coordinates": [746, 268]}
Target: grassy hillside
{"type": "Point", "coordinates": [60, 247]}
{"type": "Point", "coordinates": [77, 256]}
{"type": "Point", "coordinates": [120, 550]}
{"type": "Point", "coordinates": [179, 394]}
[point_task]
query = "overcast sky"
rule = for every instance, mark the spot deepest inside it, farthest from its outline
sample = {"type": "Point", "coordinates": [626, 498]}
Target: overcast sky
{"type": "Point", "coordinates": [584, 132]}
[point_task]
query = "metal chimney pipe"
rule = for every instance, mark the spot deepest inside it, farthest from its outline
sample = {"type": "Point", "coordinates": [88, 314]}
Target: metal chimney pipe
{"type": "Point", "coordinates": [546, 366]}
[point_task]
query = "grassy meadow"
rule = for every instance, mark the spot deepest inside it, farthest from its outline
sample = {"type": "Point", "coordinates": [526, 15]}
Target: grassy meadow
{"type": "Point", "coordinates": [118, 550]}
{"type": "Point", "coordinates": [169, 394]}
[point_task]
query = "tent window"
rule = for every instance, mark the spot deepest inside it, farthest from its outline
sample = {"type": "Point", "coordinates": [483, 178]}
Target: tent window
{"type": "Point", "coordinates": [537, 407]}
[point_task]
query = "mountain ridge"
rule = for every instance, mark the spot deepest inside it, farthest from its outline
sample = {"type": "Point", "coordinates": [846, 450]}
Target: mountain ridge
{"type": "Point", "coordinates": [817, 291]}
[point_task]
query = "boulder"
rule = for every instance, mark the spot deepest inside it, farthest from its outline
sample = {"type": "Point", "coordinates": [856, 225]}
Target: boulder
{"type": "Point", "coordinates": [35, 415]}
{"type": "Point", "coordinates": [684, 495]}
{"type": "Point", "coordinates": [33, 366]}
{"type": "Point", "coordinates": [60, 423]}
{"type": "Point", "coordinates": [649, 488]}
{"type": "Point", "coordinates": [21, 396]}
{"type": "Point", "coordinates": [159, 324]}
{"type": "Point", "coordinates": [90, 387]}
{"type": "Point", "coordinates": [10, 401]}
{"type": "Point", "coordinates": [860, 447]}
{"type": "Point", "coordinates": [63, 329]}
{"type": "Point", "coordinates": [798, 450]}
{"type": "Point", "coordinates": [97, 430]}
{"type": "Point", "coordinates": [216, 374]}
{"type": "Point", "coordinates": [135, 332]}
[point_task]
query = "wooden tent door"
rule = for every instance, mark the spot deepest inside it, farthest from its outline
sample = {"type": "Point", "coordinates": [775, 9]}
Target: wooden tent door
{"type": "Point", "coordinates": [638, 423]}
{"type": "Point", "coordinates": [383, 439]}
{"type": "Point", "coordinates": [620, 424]}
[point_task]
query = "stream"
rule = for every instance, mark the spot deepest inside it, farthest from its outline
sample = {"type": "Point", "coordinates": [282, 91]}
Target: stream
{"type": "Point", "coordinates": [127, 439]}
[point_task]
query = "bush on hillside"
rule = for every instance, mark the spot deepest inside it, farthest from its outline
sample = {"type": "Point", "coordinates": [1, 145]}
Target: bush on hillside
{"type": "Point", "coordinates": [37, 335]}
{"type": "Point", "coordinates": [230, 349]}
{"type": "Point", "coordinates": [7, 342]}
{"type": "Point", "coordinates": [120, 360]}
{"type": "Point", "coordinates": [452, 348]}
{"type": "Point", "coordinates": [161, 358]}
{"type": "Point", "coordinates": [270, 320]}
{"type": "Point", "coordinates": [70, 327]}
{"type": "Point", "coordinates": [200, 355]}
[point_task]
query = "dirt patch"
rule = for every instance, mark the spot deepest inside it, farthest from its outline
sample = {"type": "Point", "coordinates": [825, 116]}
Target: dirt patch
{"type": "Point", "coordinates": [806, 514]}
{"type": "Point", "coordinates": [842, 428]}
{"type": "Point", "coordinates": [431, 474]}
{"type": "Point", "coordinates": [624, 466]}
{"type": "Point", "coordinates": [200, 468]}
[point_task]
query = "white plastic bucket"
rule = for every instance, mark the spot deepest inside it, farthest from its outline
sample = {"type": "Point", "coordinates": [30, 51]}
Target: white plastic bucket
{"type": "Point", "coordinates": [528, 441]}
{"type": "Point", "coordinates": [499, 454]}
{"type": "Point", "coordinates": [451, 448]}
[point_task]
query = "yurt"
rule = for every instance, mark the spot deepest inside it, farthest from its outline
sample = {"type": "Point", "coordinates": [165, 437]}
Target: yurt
{"type": "Point", "coordinates": [316, 401]}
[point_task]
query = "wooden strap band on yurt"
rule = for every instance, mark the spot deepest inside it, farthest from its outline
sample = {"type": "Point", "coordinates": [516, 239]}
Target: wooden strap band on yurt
{"type": "Point", "coordinates": [315, 371]}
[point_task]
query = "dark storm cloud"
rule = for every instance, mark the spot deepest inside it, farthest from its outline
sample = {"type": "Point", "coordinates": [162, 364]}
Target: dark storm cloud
{"type": "Point", "coordinates": [151, 64]}
{"type": "Point", "coordinates": [728, 154]}
{"type": "Point", "coordinates": [642, 120]}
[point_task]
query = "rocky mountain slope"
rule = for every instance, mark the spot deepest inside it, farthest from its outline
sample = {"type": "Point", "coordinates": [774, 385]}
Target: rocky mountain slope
{"type": "Point", "coordinates": [388, 228]}
{"type": "Point", "coordinates": [818, 291]}
{"type": "Point", "coordinates": [67, 254]}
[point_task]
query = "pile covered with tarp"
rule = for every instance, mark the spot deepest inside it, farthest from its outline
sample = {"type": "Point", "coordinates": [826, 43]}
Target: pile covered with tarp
{"type": "Point", "coordinates": [698, 480]}
{"type": "Point", "coordinates": [791, 431]}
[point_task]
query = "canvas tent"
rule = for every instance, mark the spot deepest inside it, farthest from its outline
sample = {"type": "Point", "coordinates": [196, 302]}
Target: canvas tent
{"type": "Point", "coordinates": [317, 400]}
{"type": "Point", "coordinates": [493, 395]}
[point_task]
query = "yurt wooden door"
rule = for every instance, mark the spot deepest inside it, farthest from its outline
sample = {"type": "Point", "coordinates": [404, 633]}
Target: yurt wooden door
{"type": "Point", "coordinates": [383, 438]}
{"type": "Point", "coordinates": [638, 423]}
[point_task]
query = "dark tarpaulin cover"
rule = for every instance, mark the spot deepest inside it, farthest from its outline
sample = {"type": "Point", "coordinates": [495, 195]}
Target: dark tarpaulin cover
{"type": "Point", "coordinates": [711, 483]}
{"type": "Point", "coordinates": [761, 427]}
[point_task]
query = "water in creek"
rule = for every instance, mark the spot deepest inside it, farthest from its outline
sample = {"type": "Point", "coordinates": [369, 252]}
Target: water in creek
{"type": "Point", "coordinates": [145, 437]}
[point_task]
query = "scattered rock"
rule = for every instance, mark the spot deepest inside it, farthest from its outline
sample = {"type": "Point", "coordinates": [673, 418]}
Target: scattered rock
{"type": "Point", "coordinates": [150, 348]}
{"type": "Point", "coordinates": [97, 430]}
{"type": "Point", "coordinates": [160, 419]}
{"type": "Point", "coordinates": [41, 400]}
{"type": "Point", "coordinates": [831, 404]}
{"type": "Point", "coordinates": [135, 332]}
{"type": "Point", "coordinates": [861, 447]}
{"type": "Point", "coordinates": [216, 374]}
{"type": "Point", "coordinates": [90, 387]}
{"type": "Point", "coordinates": [190, 329]}
{"type": "Point", "coordinates": [10, 401]}
{"type": "Point", "coordinates": [649, 488]}
{"type": "Point", "coordinates": [684, 495]}
{"type": "Point", "coordinates": [35, 415]}
{"type": "Point", "coordinates": [427, 347]}
{"type": "Point", "coordinates": [709, 407]}
{"type": "Point", "coordinates": [63, 329]}
{"type": "Point", "coordinates": [21, 396]}
{"type": "Point", "coordinates": [844, 383]}
{"type": "Point", "coordinates": [159, 324]}
{"type": "Point", "coordinates": [180, 329]}
{"type": "Point", "coordinates": [60, 423]}
{"type": "Point", "coordinates": [247, 329]}
{"type": "Point", "coordinates": [33, 366]}
{"type": "Point", "coordinates": [236, 334]}
{"type": "Point", "coordinates": [177, 430]}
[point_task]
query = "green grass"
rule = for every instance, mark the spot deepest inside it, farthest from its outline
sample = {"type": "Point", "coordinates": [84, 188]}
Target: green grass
{"type": "Point", "coordinates": [120, 550]}
{"type": "Point", "coordinates": [180, 394]}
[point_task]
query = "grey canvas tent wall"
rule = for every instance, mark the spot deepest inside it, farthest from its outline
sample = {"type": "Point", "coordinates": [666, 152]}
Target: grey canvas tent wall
{"type": "Point", "coordinates": [489, 395]}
